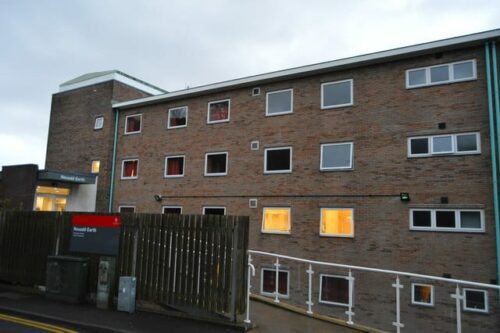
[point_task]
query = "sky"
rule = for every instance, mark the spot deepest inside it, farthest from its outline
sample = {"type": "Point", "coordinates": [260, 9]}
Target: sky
{"type": "Point", "coordinates": [174, 44]}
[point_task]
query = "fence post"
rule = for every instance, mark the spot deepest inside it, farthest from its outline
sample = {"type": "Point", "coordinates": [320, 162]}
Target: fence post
{"type": "Point", "coordinates": [398, 323]}
{"type": "Point", "coordinates": [276, 281]}
{"type": "Point", "coordinates": [458, 297]}
{"type": "Point", "coordinates": [309, 302]}
{"type": "Point", "coordinates": [239, 264]}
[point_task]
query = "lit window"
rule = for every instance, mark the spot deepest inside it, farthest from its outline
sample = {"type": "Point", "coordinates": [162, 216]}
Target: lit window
{"type": "Point", "coordinates": [214, 210]}
{"type": "Point", "coordinates": [133, 124]}
{"type": "Point", "coordinates": [268, 282]}
{"type": "Point", "coordinates": [130, 169]}
{"type": "Point", "coordinates": [449, 144]}
{"type": "Point", "coordinates": [174, 166]}
{"type": "Point", "coordinates": [422, 294]}
{"type": "Point", "coordinates": [177, 117]}
{"type": "Point", "coordinates": [95, 166]}
{"type": "Point", "coordinates": [336, 156]}
{"type": "Point", "coordinates": [279, 102]}
{"type": "Point", "coordinates": [337, 222]}
{"type": "Point", "coordinates": [276, 220]}
{"type": "Point", "coordinates": [216, 164]}
{"type": "Point", "coordinates": [336, 94]}
{"type": "Point", "coordinates": [475, 300]}
{"type": "Point", "coordinates": [334, 290]}
{"type": "Point", "coordinates": [462, 220]}
{"type": "Point", "coordinates": [278, 160]}
{"type": "Point", "coordinates": [218, 111]}
{"type": "Point", "coordinates": [172, 210]}
{"type": "Point", "coordinates": [126, 209]}
{"type": "Point", "coordinates": [99, 123]}
{"type": "Point", "coordinates": [440, 74]}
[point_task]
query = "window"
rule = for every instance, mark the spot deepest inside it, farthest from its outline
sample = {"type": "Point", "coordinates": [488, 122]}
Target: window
{"type": "Point", "coordinates": [462, 220]}
{"type": "Point", "coordinates": [256, 91]}
{"type": "Point", "coordinates": [337, 222]}
{"type": "Point", "coordinates": [422, 294]}
{"type": "Point", "coordinates": [216, 164]}
{"type": "Point", "coordinates": [440, 74]}
{"type": "Point", "coordinates": [130, 169]}
{"type": "Point", "coordinates": [99, 123]}
{"type": "Point", "coordinates": [448, 144]}
{"type": "Point", "coordinates": [214, 210]}
{"type": "Point", "coordinates": [336, 156]}
{"type": "Point", "coordinates": [95, 166]}
{"type": "Point", "coordinates": [336, 94]}
{"type": "Point", "coordinates": [177, 117]}
{"type": "Point", "coordinates": [172, 210]}
{"type": "Point", "coordinates": [268, 282]}
{"type": "Point", "coordinates": [278, 160]}
{"type": "Point", "coordinates": [252, 203]}
{"type": "Point", "coordinates": [133, 124]}
{"type": "Point", "coordinates": [254, 145]}
{"type": "Point", "coordinates": [276, 220]}
{"type": "Point", "coordinates": [218, 111]}
{"type": "Point", "coordinates": [126, 209]}
{"type": "Point", "coordinates": [334, 289]}
{"type": "Point", "coordinates": [174, 166]}
{"type": "Point", "coordinates": [279, 102]}
{"type": "Point", "coordinates": [475, 300]}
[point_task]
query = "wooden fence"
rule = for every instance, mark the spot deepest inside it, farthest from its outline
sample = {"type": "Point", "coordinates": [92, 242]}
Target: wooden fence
{"type": "Point", "coordinates": [193, 263]}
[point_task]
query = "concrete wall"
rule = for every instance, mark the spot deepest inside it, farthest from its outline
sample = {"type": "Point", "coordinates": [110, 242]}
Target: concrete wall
{"type": "Point", "coordinates": [82, 198]}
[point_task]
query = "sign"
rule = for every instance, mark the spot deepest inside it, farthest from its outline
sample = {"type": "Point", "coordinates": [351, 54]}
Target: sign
{"type": "Point", "coordinates": [99, 234]}
{"type": "Point", "coordinates": [66, 177]}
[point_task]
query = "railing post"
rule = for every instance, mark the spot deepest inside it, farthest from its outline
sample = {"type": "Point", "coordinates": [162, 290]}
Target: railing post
{"type": "Point", "coordinates": [458, 298]}
{"type": "Point", "coordinates": [251, 272]}
{"type": "Point", "coordinates": [349, 312]}
{"type": "Point", "coordinates": [398, 323]}
{"type": "Point", "coordinates": [309, 302]}
{"type": "Point", "coordinates": [276, 281]}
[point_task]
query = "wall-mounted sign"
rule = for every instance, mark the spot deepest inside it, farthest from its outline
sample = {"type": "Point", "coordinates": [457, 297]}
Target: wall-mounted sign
{"type": "Point", "coordinates": [99, 234]}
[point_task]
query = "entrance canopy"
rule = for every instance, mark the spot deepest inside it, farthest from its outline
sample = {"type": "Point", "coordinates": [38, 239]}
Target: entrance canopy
{"type": "Point", "coordinates": [66, 177]}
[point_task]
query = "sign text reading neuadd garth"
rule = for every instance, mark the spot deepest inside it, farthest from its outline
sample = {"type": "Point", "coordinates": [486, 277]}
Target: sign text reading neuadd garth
{"type": "Point", "coordinates": [98, 234]}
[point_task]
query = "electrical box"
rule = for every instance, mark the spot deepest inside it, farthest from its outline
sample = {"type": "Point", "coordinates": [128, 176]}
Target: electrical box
{"type": "Point", "coordinates": [126, 294]}
{"type": "Point", "coordinates": [105, 281]}
{"type": "Point", "coordinates": [66, 278]}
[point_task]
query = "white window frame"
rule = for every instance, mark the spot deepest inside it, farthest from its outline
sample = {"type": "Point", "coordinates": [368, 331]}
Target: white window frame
{"type": "Point", "coordinates": [216, 207]}
{"type": "Point", "coordinates": [217, 174]}
{"type": "Point", "coordinates": [168, 117]}
{"type": "Point", "coordinates": [278, 171]}
{"type": "Point", "coordinates": [170, 206]}
{"type": "Point", "coordinates": [321, 289]}
{"type": "Point", "coordinates": [183, 166]}
{"type": "Point", "coordinates": [451, 74]}
{"type": "Point", "coordinates": [99, 125]}
{"type": "Point", "coordinates": [454, 144]}
{"type": "Point", "coordinates": [273, 270]}
{"type": "Point", "coordinates": [350, 167]}
{"type": "Point", "coordinates": [126, 121]}
{"type": "Point", "coordinates": [282, 112]}
{"type": "Point", "coordinates": [335, 235]}
{"type": "Point", "coordinates": [264, 231]}
{"type": "Point", "coordinates": [464, 301]}
{"type": "Point", "coordinates": [123, 168]}
{"type": "Point", "coordinates": [323, 106]}
{"type": "Point", "coordinates": [415, 302]}
{"type": "Point", "coordinates": [228, 111]}
{"type": "Point", "coordinates": [457, 227]}
{"type": "Point", "coordinates": [92, 167]}
{"type": "Point", "coordinates": [125, 206]}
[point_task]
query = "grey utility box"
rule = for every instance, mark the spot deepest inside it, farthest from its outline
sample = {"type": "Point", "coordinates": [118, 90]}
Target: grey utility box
{"type": "Point", "coordinates": [126, 294]}
{"type": "Point", "coordinates": [66, 278]}
{"type": "Point", "coordinates": [105, 279]}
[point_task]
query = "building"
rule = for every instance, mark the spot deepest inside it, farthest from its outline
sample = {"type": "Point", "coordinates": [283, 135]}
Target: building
{"type": "Point", "coordinates": [381, 160]}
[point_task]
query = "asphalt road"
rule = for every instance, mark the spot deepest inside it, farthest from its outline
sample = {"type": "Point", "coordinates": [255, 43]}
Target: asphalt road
{"type": "Point", "coordinates": [16, 324]}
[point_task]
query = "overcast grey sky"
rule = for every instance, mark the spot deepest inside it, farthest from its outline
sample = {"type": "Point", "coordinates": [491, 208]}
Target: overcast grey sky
{"type": "Point", "coordinates": [176, 43]}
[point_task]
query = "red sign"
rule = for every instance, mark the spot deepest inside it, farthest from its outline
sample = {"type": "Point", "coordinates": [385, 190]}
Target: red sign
{"type": "Point", "coordinates": [103, 221]}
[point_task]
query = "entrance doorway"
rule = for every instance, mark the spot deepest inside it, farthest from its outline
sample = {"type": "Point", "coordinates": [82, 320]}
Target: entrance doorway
{"type": "Point", "coordinates": [52, 199]}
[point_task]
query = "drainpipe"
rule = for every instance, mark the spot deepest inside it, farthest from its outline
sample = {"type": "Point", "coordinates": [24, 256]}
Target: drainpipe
{"type": "Point", "coordinates": [497, 117]}
{"type": "Point", "coordinates": [493, 142]}
{"type": "Point", "coordinates": [113, 164]}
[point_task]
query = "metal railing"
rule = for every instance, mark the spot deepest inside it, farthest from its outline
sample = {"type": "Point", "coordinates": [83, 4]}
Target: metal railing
{"type": "Point", "coordinates": [458, 296]}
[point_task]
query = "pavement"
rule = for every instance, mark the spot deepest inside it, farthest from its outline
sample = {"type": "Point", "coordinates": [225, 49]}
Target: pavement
{"type": "Point", "coordinates": [87, 318]}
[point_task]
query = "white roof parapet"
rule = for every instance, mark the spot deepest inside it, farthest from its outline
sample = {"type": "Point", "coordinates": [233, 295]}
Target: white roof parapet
{"type": "Point", "coordinates": [377, 57]}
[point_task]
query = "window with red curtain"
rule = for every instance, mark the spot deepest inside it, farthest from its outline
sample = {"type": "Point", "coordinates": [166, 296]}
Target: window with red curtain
{"type": "Point", "coordinates": [130, 169]}
{"type": "Point", "coordinates": [219, 111]}
{"type": "Point", "coordinates": [175, 166]}
{"type": "Point", "coordinates": [133, 124]}
{"type": "Point", "coordinates": [177, 117]}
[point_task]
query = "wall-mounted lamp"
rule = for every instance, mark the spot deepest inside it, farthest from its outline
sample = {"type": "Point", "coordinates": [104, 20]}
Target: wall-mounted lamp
{"type": "Point", "coordinates": [158, 197]}
{"type": "Point", "coordinates": [404, 196]}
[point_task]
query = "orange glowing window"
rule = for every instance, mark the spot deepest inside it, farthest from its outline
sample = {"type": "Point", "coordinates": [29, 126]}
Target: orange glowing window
{"type": "Point", "coordinates": [337, 222]}
{"type": "Point", "coordinates": [95, 166]}
{"type": "Point", "coordinates": [276, 220]}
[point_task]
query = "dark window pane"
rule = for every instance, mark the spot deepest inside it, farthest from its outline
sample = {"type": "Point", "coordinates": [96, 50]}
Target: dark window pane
{"type": "Point", "coordinates": [177, 117]}
{"type": "Point", "coordinates": [419, 146]}
{"type": "Point", "coordinates": [470, 220]}
{"type": "Point", "coordinates": [279, 102]}
{"type": "Point", "coordinates": [278, 159]}
{"type": "Point", "coordinates": [172, 210]}
{"type": "Point", "coordinates": [439, 74]}
{"type": "Point", "coordinates": [175, 166]}
{"type": "Point", "coordinates": [219, 111]}
{"type": "Point", "coordinates": [475, 299]}
{"type": "Point", "coordinates": [445, 219]}
{"type": "Point", "coordinates": [133, 124]}
{"type": "Point", "coordinates": [466, 142]}
{"type": "Point", "coordinates": [216, 163]}
{"type": "Point", "coordinates": [421, 218]}
{"type": "Point", "coordinates": [334, 289]}
{"type": "Point", "coordinates": [463, 70]}
{"type": "Point", "coordinates": [416, 77]}
{"type": "Point", "coordinates": [269, 278]}
{"type": "Point", "coordinates": [337, 93]}
{"type": "Point", "coordinates": [127, 209]}
{"type": "Point", "coordinates": [214, 211]}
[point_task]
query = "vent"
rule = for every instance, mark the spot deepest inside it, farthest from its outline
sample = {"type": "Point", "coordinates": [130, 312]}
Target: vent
{"type": "Point", "coordinates": [444, 200]}
{"type": "Point", "coordinates": [254, 145]}
{"type": "Point", "coordinates": [442, 125]}
{"type": "Point", "coordinates": [255, 91]}
{"type": "Point", "coordinates": [252, 203]}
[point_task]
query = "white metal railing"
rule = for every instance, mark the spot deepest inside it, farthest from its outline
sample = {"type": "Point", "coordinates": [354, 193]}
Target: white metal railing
{"type": "Point", "coordinates": [458, 295]}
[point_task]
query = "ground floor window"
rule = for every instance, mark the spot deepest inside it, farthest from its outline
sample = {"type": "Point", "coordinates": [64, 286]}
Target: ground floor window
{"type": "Point", "coordinates": [334, 289]}
{"type": "Point", "coordinates": [52, 199]}
{"type": "Point", "coordinates": [126, 209]}
{"type": "Point", "coordinates": [475, 300]}
{"type": "Point", "coordinates": [214, 210]}
{"type": "Point", "coordinates": [422, 294]}
{"type": "Point", "coordinates": [268, 282]}
{"type": "Point", "coordinates": [172, 210]}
